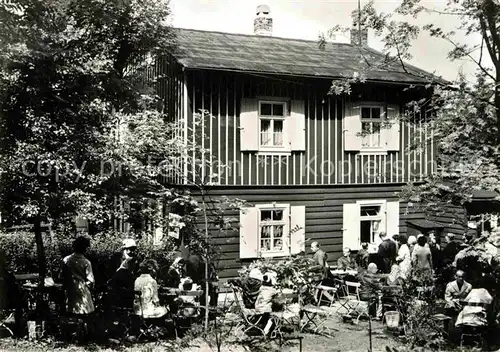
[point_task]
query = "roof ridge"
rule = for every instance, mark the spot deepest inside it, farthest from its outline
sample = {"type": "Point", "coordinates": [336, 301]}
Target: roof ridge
{"type": "Point", "coordinates": [257, 36]}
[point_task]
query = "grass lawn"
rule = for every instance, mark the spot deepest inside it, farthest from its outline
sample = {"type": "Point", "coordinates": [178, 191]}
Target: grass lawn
{"type": "Point", "coordinates": [345, 337]}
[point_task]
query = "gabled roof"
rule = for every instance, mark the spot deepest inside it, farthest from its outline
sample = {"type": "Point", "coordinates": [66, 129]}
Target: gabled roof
{"type": "Point", "coordinates": [271, 55]}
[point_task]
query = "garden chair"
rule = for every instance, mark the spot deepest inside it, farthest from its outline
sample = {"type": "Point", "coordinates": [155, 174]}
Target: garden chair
{"type": "Point", "coordinates": [472, 334]}
{"type": "Point", "coordinates": [352, 301]}
{"type": "Point", "coordinates": [250, 317]}
{"type": "Point", "coordinates": [6, 316]}
{"type": "Point", "coordinates": [326, 294]}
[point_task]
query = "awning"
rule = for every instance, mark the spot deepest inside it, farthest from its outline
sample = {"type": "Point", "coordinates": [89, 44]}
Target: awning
{"type": "Point", "coordinates": [483, 202]}
{"type": "Point", "coordinates": [424, 224]}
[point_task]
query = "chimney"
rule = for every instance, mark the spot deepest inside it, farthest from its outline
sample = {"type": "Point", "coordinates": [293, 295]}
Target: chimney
{"type": "Point", "coordinates": [358, 38]}
{"type": "Point", "coordinates": [263, 23]}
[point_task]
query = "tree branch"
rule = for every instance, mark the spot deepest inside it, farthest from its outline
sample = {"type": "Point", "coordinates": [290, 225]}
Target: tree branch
{"type": "Point", "coordinates": [489, 12]}
{"type": "Point", "coordinates": [484, 32]}
{"type": "Point", "coordinates": [478, 63]}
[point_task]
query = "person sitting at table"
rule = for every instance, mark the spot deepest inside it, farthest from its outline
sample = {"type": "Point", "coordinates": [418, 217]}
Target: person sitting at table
{"type": "Point", "coordinates": [175, 273]}
{"type": "Point", "coordinates": [320, 265]}
{"type": "Point", "coordinates": [346, 262]}
{"type": "Point", "coordinates": [394, 278]}
{"type": "Point", "coordinates": [250, 286]}
{"type": "Point", "coordinates": [264, 301]}
{"type": "Point", "coordinates": [195, 269]}
{"type": "Point", "coordinates": [362, 256]}
{"type": "Point", "coordinates": [11, 295]}
{"type": "Point", "coordinates": [121, 293]}
{"type": "Point", "coordinates": [371, 290]}
{"type": "Point", "coordinates": [128, 251]}
{"type": "Point", "coordinates": [187, 302]}
{"type": "Point", "coordinates": [148, 303]}
{"type": "Point", "coordinates": [187, 284]}
{"type": "Point", "coordinates": [455, 292]}
{"type": "Point", "coordinates": [476, 309]}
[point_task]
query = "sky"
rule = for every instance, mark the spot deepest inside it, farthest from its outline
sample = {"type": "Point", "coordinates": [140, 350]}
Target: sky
{"type": "Point", "coordinates": [306, 19]}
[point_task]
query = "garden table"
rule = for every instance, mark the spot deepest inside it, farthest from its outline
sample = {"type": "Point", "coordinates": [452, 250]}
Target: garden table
{"type": "Point", "coordinates": [27, 277]}
{"type": "Point", "coordinates": [51, 293]}
{"type": "Point", "coordinates": [342, 273]}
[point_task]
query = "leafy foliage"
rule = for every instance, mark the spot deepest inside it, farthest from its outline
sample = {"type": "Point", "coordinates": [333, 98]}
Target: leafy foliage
{"type": "Point", "coordinates": [69, 71]}
{"type": "Point", "coordinates": [291, 273]}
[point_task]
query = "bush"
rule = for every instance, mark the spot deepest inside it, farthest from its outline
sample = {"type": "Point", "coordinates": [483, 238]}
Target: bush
{"type": "Point", "coordinates": [21, 255]}
{"type": "Point", "coordinates": [291, 273]}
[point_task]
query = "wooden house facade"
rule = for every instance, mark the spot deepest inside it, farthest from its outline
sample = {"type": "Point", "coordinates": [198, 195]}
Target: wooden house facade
{"type": "Point", "coordinates": [313, 166]}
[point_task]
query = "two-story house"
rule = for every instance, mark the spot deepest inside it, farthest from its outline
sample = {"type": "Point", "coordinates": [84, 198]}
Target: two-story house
{"type": "Point", "coordinates": [315, 166]}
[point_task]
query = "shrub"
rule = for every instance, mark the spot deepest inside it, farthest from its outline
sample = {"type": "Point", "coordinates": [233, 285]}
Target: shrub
{"type": "Point", "coordinates": [291, 273]}
{"type": "Point", "coordinates": [21, 256]}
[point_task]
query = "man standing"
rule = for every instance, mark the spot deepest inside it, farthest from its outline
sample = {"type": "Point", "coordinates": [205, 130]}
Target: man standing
{"type": "Point", "coordinates": [450, 249]}
{"type": "Point", "coordinates": [387, 252]}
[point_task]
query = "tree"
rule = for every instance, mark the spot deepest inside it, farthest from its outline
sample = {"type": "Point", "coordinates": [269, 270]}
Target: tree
{"type": "Point", "coordinates": [70, 72]}
{"type": "Point", "coordinates": [83, 131]}
{"type": "Point", "coordinates": [465, 114]}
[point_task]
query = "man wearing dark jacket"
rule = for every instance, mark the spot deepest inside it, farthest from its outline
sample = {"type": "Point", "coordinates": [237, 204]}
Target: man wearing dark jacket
{"type": "Point", "coordinates": [450, 249]}
{"type": "Point", "coordinates": [387, 252]}
{"type": "Point", "coordinates": [195, 269]}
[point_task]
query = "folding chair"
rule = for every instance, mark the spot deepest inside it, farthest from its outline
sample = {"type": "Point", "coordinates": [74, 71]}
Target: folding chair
{"type": "Point", "coordinates": [327, 294]}
{"type": "Point", "coordinates": [250, 317]}
{"type": "Point", "coordinates": [352, 301]}
{"type": "Point", "coordinates": [6, 316]}
{"type": "Point", "coordinates": [153, 324]}
{"type": "Point", "coordinates": [472, 334]}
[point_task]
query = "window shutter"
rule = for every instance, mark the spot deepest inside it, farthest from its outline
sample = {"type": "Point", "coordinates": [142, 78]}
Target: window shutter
{"type": "Point", "coordinates": [352, 127]}
{"type": "Point", "coordinates": [249, 233]}
{"type": "Point", "coordinates": [392, 218]}
{"type": "Point", "coordinates": [351, 227]}
{"type": "Point", "coordinates": [297, 229]}
{"type": "Point", "coordinates": [249, 124]}
{"type": "Point", "coordinates": [391, 132]}
{"type": "Point", "coordinates": [297, 126]}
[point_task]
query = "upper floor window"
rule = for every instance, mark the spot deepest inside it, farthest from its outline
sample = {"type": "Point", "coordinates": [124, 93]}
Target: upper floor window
{"type": "Point", "coordinates": [272, 119]}
{"type": "Point", "coordinates": [272, 126]}
{"type": "Point", "coordinates": [371, 126]}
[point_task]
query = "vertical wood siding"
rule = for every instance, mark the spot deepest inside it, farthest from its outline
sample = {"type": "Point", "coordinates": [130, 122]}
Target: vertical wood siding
{"type": "Point", "coordinates": [324, 162]}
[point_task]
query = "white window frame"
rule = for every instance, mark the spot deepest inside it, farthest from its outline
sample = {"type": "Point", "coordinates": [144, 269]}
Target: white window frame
{"type": "Point", "coordinates": [271, 149]}
{"type": "Point", "coordinates": [382, 217]}
{"type": "Point", "coordinates": [286, 229]}
{"type": "Point", "coordinates": [381, 148]}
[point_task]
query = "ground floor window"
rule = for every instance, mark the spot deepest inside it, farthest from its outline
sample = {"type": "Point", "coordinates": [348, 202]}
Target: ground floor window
{"type": "Point", "coordinates": [272, 224]}
{"type": "Point", "coordinates": [272, 230]}
{"type": "Point", "coordinates": [364, 220]}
